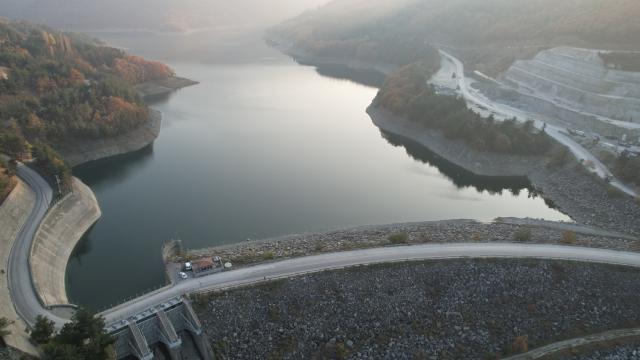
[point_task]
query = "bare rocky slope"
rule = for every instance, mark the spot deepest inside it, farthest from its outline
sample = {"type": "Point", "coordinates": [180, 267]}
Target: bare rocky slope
{"type": "Point", "coordinates": [579, 79]}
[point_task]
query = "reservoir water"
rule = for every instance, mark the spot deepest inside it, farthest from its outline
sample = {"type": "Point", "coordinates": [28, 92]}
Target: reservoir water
{"type": "Point", "coordinates": [261, 149]}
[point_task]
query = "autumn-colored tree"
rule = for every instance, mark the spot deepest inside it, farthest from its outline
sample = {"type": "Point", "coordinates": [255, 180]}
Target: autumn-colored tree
{"type": "Point", "coordinates": [75, 77]}
{"type": "Point", "coordinates": [135, 69]}
{"type": "Point", "coordinates": [520, 345]}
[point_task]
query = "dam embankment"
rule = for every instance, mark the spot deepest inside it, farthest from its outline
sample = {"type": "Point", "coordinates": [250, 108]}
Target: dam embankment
{"type": "Point", "coordinates": [62, 228]}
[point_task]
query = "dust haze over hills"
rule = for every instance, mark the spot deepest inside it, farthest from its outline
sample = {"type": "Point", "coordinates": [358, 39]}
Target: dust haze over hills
{"type": "Point", "coordinates": [170, 15]}
{"type": "Point", "coordinates": [208, 30]}
{"type": "Point", "coordinates": [487, 33]}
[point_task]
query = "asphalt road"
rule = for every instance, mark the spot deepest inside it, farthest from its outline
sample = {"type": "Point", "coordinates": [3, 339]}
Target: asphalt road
{"type": "Point", "coordinates": [23, 293]}
{"type": "Point", "coordinates": [507, 112]}
{"type": "Point", "coordinates": [312, 264]}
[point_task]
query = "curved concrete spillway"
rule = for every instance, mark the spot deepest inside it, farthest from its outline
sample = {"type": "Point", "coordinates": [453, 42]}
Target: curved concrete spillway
{"type": "Point", "coordinates": [62, 228]}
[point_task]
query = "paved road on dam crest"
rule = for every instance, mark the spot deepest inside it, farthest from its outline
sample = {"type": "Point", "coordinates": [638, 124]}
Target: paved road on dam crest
{"type": "Point", "coordinates": [311, 264]}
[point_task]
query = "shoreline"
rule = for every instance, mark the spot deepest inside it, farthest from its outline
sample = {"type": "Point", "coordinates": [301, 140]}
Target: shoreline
{"type": "Point", "coordinates": [83, 151]}
{"type": "Point", "coordinates": [69, 219]}
{"type": "Point", "coordinates": [304, 58]}
{"type": "Point", "coordinates": [455, 152]}
{"type": "Point", "coordinates": [525, 231]}
{"type": "Point", "coordinates": [574, 192]}
{"type": "Point", "coordinates": [161, 87]}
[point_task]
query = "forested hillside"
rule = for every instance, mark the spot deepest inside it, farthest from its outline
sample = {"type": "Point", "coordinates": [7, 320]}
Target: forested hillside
{"type": "Point", "coordinates": [488, 34]}
{"type": "Point", "coordinates": [406, 93]}
{"type": "Point", "coordinates": [56, 87]}
{"type": "Point", "coordinates": [7, 180]}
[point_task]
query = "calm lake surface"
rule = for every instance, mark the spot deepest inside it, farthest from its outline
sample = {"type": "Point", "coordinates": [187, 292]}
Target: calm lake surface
{"type": "Point", "coordinates": [262, 149]}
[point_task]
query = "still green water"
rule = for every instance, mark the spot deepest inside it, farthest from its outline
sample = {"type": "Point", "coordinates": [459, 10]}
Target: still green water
{"type": "Point", "coordinates": [262, 149]}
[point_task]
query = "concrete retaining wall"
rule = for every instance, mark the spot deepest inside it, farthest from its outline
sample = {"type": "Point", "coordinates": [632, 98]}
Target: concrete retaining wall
{"type": "Point", "coordinates": [14, 212]}
{"type": "Point", "coordinates": [62, 228]}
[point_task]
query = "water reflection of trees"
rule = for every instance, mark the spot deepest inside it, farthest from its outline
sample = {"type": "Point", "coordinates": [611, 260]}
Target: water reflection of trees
{"type": "Point", "coordinates": [82, 247]}
{"type": "Point", "coordinates": [369, 78]}
{"type": "Point", "coordinates": [460, 177]}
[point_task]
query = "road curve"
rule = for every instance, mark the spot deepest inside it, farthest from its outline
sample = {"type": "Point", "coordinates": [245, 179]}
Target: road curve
{"type": "Point", "coordinates": [472, 96]}
{"type": "Point", "coordinates": [312, 264]}
{"type": "Point", "coordinates": [565, 345]}
{"type": "Point", "coordinates": [23, 294]}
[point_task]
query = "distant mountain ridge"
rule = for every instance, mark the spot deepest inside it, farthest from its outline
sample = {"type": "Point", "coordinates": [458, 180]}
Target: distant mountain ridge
{"type": "Point", "coordinates": [489, 35]}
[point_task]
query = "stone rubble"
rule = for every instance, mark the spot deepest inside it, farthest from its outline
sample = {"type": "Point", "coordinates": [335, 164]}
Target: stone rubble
{"type": "Point", "coordinates": [458, 309]}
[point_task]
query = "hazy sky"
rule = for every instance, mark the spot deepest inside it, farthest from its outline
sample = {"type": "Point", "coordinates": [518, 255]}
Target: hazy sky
{"type": "Point", "coordinates": [171, 30]}
{"type": "Point", "coordinates": [155, 14]}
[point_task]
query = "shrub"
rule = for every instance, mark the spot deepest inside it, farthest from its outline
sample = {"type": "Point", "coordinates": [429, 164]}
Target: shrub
{"type": "Point", "coordinates": [42, 330]}
{"type": "Point", "coordinates": [520, 345]}
{"type": "Point", "coordinates": [559, 157]}
{"type": "Point", "coordinates": [269, 255]}
{"type": "Point", "coordinates": [569, 237]}
{"type": "Point", "coordinates": [523, 234]}
{"type": "Point", "coordinates": [84, 337]}
{"type": "Point", "coordinates": [4, 324]}
{"type": "Point", "coordinates": [273, 313]}
{"type": "Point", "coordinates": [398, 238]}
{"type": "Point", "coordinates": [614, 193]}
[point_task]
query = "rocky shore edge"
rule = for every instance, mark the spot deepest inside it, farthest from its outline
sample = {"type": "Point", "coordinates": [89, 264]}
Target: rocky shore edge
{"type": "Point", "coordinates": [82, 151]}
{"type": "Point", "coordinates": [429, 232]}
{"type": "Point", "coordinates": [160, 87]}
{"type": "Point", "coordinates": [568, 187]}
{"type": "Point", "coordinates": [305, 58]}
